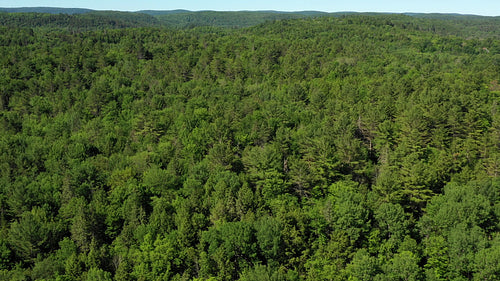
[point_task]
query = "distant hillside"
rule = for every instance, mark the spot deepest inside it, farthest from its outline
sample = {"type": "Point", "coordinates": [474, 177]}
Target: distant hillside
{"type": "Point", "coordinates": [160, 13]}
{"type": "Point", "coordinates": [304, 13]}
{"type": "Point", "coordinates": [84, 18]}
{"type": "Point", "coordinates": [46, 10]}
{"type": "Point", "coordinates": [462, 25]}
{"type": "Point", "coordinates": [228, 19]}
{"type": "Point", "coordinates": [469, 26]}
{"type": "Point", "coordinates": [88, 21]}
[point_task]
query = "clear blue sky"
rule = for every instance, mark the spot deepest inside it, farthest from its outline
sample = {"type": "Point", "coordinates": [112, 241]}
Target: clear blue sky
{"type": "Point", "coordinates": [478, 7]}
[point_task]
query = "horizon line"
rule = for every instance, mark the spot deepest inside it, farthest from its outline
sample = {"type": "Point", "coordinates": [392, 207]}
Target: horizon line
{"type": "Point", "coordinates": [246, 10]}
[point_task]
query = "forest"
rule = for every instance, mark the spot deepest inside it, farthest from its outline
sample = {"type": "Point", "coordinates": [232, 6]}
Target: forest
{"type": "Point", "coordinates": [332, 147]}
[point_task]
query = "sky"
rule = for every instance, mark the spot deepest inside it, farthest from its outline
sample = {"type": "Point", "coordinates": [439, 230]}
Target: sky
{"type": "Point", "coordinates": [476, 7]}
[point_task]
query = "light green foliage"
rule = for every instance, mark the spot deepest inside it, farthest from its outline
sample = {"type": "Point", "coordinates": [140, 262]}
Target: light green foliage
{"type": "Point", "coordinates": [362, 267]}
{"type": "Point", "coordinates": [349, 213]}
{"type": "Point", "coordinates": [403, 266]}
{"type": "Point", "coordinates": [269, 239]}
{"type": "Point", "coordinates": [330, 257]}
{"type": "Point", "coordinates": [265, 166]}
{"type": "Point", "coordinates": [436, 250]}
{"type": "Point", "coordinates": [487, 263]}
{"type": "Point", "coordinates": [221, 191]}
{"type": "Point", "coordinates": [456, 226]}
{"type": "Point", "coordinates": [156, 259]}
{"type": "Point", "coordinates": [95, 274]}
{"type": "Point", "coordinates": [391, 220]}
{"type": "Point", "coordinates": [459, 205]}
{"type": "Point", "coordinates": [228, 249]}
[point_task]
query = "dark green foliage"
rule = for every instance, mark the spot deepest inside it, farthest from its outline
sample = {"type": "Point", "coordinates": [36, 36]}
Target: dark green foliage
{"type": "Point", "coordinates": [352, 147]}
{"type": "Point", "coordinates": [90, 20]}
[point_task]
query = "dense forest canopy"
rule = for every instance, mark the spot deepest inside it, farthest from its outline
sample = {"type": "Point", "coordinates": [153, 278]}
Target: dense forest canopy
{"type": "Point", "coordinates": [355, 147]}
